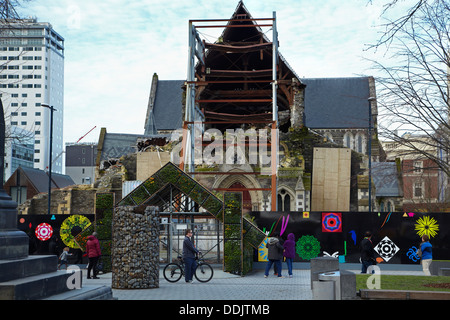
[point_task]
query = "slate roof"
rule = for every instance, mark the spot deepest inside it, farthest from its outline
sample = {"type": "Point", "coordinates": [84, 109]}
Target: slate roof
{"type": "Point", "coordinates": [333, 103]}
{"type": "Point", "coordinates": [39, 179]}
{"type": "Point", "coordinates": [385, 178]}
{"type": "Point", "coordinates": [336, 103]}
{"type": "Point", "coordinates": [116, 145]}
{"type": "Point", "coordinates": [166, 112]}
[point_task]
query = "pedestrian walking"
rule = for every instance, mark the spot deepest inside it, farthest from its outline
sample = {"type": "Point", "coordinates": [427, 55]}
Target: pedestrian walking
{"type": "Point", "coordinates": [426, 250]}
{"type": "Point", "coordinates": [289, 252]}
{"type": "Point", "coordinates": [63, 258]}
{"type": "Point", "coordinates": [93, 253]}
{"type": "Point", "coordinates": [367, 252]}
{"type": "Point", "coordinates": [275, 254]}
{"type": "Point", "coordinates": [189, 256]}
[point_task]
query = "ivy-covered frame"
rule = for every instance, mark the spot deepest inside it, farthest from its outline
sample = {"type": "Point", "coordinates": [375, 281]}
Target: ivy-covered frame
{"type": "Point", "coordinates": [232, 233]}
{"type": "Point", "coordinates": [243, 236]}
{"type": "Point", "coordinates": [171, 174]}
{"type": "Point", "coordinates": [104, 210]}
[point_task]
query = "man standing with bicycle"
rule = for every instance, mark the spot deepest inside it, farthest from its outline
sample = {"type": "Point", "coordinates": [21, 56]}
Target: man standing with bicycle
{"type": "Point", "coordinates": [189, 255]}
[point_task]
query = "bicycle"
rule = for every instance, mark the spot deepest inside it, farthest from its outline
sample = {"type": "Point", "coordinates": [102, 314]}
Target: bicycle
{"type": "Point", "coordinates": [175, 270]}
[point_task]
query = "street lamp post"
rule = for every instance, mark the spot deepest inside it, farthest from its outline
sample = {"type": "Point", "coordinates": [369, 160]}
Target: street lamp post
{"type": "Point", "coordinates": [50, 156]}
{"type": "Point", "coordinates": [370, 99]}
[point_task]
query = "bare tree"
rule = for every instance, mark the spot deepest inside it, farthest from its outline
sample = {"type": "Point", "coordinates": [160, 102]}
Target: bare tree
{"type": "Point", "coordinates": [393, 26]}
{"type": "Point", "coordinates": [413, 83]}
{"type": "Point", "coordinates": [8, 8]}
{"type": "Point", "coordinates": [10, 24]}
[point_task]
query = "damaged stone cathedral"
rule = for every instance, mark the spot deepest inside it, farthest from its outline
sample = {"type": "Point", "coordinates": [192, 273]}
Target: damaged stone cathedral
{"type": "Point", "coordinates": [325, 128]}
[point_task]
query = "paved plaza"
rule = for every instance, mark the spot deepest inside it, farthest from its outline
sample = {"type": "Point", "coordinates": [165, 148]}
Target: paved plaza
{"type": "Point", "coordinates": [223, 286]}
{"type": "Point", "coordinates": [226, 286]}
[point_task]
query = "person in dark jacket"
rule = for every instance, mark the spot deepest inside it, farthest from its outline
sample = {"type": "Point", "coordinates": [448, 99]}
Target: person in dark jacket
{"type": "Point", "coordinates": [189, 255]}
{"type": "Point", "coordinates": [367, 252]}
{"type": "Point", "coordinates": [275, 254]}
{"type": "Point", "coordinates": [277, 235]}
{"type": "Point", "coordinates": [289, 252]}
{"type": "Point", "coordinates": [93, 252]}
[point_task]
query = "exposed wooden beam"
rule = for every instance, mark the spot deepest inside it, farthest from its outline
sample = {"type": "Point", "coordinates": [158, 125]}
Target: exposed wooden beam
{"type": "Point", "coordinates": [242, 93]}
{"type": "Point", "coordinates": [204, 82]}
{"type": "Point", "coordinates": [232, 100]}
{"type": "Point", "coordinates": [239, 117]}
{"type": "Point", "coordinates": [233, 20]}
{"type": "Point", "coordinates": [236, 26]}
{"type": "Point", "coordinates": [239, 49]}
{"type": "Point", "coordinates": [240, 73]}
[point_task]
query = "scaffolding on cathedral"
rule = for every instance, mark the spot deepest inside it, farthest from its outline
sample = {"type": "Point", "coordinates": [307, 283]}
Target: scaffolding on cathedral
{"type": "Point", "coordinates": [242, 94]}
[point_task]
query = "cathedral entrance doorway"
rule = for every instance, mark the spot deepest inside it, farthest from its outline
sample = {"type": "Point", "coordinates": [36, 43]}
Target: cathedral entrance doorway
{"type": "Point", "coordinates": [246, 198]}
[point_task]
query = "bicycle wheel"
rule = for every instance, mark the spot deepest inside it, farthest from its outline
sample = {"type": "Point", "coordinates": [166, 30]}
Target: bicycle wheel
{"type": "Point", "coordinates": [172, 272]}
{"type": "Point", "coordinates": [204, 272]}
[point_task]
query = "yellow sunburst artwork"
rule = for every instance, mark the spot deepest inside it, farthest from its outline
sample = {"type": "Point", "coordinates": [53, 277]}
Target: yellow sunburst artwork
{"type": "Point", "coordinates": [427, 225]}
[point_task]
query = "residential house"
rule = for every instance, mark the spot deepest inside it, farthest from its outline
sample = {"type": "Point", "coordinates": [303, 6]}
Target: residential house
{"type": "Point", "coordinates": [25, 183]}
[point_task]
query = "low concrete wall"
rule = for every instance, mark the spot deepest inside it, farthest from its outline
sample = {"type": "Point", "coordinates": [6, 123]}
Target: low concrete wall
{"type": "Point", "coordinates": [330, 283]}
{"type": "Point", "coordinates": [403, 295]}
{"type": "Point", "coordinates": [437, 265]}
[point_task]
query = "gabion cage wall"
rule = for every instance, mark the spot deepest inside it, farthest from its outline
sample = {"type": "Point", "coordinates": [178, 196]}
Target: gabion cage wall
{"type": "Point", "coordinates": [135, 248]}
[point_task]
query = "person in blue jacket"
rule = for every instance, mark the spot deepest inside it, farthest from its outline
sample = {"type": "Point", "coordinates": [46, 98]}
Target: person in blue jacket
{"type": "Point", "coordinates": [189, 254]}
{"type": "Point", "coordinates": [427, 254]}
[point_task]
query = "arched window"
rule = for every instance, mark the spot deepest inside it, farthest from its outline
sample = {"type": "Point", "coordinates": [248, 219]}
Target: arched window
{"type": "Point", "coordinates": [284, 201]}
{"type": "Point", "coordinates": [287, 203]}
{"type": "Point", "coordinates": [360, 143]}
{"type": "Point", "coordinates": [387, 206]}
{"type": "Point", "coordinates": [348, 140]}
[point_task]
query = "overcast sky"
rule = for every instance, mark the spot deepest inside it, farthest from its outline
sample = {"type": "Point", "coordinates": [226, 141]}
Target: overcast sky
{"type": "Point", "coordinates": [113, 47]}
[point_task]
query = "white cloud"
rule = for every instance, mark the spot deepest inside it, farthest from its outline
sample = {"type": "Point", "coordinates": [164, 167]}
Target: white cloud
{"type": "Point", "coordinates": [113, 47]}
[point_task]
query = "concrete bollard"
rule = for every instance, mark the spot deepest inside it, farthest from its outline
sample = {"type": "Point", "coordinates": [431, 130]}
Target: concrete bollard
{"type": "Point", "coordinates": [323, 290]}
{"type": "Point", "coordinates": [321, 265]}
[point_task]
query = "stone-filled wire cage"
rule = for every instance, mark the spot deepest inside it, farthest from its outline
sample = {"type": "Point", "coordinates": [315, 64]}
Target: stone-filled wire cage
{"type": "Point", "coordinates": [135, 248]}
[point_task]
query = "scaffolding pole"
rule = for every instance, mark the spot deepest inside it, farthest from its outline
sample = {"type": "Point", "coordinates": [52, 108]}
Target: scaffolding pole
{"type": "Point", "coordinates": [188, 144]}
{"type": "Point", "coordinates": [274, 150]}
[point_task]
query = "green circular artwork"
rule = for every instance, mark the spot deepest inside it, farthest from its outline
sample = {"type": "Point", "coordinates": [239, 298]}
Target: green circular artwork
{"type": "Point", "coordinates": [307, 247]}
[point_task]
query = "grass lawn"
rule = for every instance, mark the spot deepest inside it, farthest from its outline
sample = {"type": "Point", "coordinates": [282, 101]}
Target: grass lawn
{"type": "Point", "coordinates": [416, 283]}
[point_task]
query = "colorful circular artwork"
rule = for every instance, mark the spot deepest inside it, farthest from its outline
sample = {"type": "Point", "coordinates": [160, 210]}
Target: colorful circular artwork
{"type": "Point", "coordinates": [427, 226]}
{"type": "Point", "coordinates": [307, 247]}
{"type": "Point", "coordinates": [71, 227]}
{"type": "Point", "coordinates": [44, 231]}
{"type": "Point", "coordinates": [386, 249]}
{"type": "Point", "coordinates": [331, 222]}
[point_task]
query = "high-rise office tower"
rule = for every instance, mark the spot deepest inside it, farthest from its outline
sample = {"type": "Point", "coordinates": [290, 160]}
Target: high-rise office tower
{"type": "Point", "coordinates": [32, 75]}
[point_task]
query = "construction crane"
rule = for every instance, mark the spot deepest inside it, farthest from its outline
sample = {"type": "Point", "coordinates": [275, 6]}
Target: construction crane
{"type": "Point", "coordinates": [86, 134]}
{"type": "Point", "coordinates": [60, 154]}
